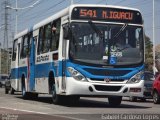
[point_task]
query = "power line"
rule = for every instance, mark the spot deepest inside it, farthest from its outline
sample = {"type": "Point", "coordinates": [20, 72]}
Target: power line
{"type": "Point", "coordinates": [100, 1]}
{"type": "Point", "coordinates": [119, 2]}
{"type": "Point", "coordinates": [40, 13]}
{"type": "Point", "coordinates": [23, 13]}
{"type": "Point", "coordinates": [50, 8]}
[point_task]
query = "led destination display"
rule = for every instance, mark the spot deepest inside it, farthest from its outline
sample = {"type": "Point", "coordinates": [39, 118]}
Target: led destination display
{"type": "Point", "coordinates": [107, 14]}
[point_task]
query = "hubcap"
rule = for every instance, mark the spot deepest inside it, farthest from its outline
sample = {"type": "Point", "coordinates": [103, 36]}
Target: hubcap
{"type": "Point", "coordinates": [23, 91]}
{"type": "Point", "coordinates": [155, 97]}
{"type": "Point", "coordinates": [53, 92]}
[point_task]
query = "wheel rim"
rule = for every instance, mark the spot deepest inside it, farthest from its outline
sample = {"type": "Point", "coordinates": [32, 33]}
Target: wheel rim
{"type": "Point", "coordinates": [155, 97]}
{"type": "Point", "coordinates": [53, 92]}
{"type": "Point", "coordinates": [23, 91]}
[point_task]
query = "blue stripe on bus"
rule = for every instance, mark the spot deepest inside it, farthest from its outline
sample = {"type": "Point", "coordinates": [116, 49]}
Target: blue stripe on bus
{"type": "Point", "coordinates": [80, 68]}
{"type": "Point", "coordinates": [42, 70]}
{"type": "Point", "coordinates": [16, 72]}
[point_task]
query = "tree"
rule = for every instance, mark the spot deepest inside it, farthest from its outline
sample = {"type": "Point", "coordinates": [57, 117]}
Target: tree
{"type": "Point", "coordinates": [148, 54]}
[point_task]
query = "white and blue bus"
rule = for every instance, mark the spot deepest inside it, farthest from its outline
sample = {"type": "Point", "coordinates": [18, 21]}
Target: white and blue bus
{"type": "Point", "coordinates": [83, 50]}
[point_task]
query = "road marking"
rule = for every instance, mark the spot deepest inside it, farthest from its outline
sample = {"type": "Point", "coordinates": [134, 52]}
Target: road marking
{"type": "Point", "coordinates": [29, 111]}
{"type": "Point", "coordinates": [23, 110]}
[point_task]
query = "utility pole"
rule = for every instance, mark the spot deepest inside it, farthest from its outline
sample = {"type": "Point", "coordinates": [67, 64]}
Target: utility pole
{"type": "Point", "coordinates": [4, 52]}
{"type": "Point", "coordinates": [153, 18]}
{"type": "Point", "coordinates": [17, 9]}
{"type": "Point", "coordinates": [6, 14]}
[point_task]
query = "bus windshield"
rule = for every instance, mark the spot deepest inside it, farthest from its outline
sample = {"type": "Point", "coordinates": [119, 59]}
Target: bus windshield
{"type": "Point", "coordinates": [106, 44]}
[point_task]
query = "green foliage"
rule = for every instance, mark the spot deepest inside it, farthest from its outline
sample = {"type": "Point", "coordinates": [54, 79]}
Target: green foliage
{"type": "Point", "coordinates": [148, 54]}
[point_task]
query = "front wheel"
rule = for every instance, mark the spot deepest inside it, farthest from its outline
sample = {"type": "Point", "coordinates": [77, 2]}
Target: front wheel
{"type": "Point", "coordinates": [156, 98]}
{"type": "Point", "coordinates": [57, 99]}
{"type": "Point", "coordinates": [114, 101]}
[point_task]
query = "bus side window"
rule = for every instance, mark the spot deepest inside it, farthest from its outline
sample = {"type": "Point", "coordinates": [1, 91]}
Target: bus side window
{"type": "Point", "coordinates": [25, 46]}
{"type": "Point", "coordinates": [14, 50]}
{"type": "Point", "coordinates": [40, 49]}
{"type": "Point", "coordinates": [29, 43]}
{"type": "Point", "coordinates": [55, 34]}
{"type": "Point", "coordinates": [47, 38]}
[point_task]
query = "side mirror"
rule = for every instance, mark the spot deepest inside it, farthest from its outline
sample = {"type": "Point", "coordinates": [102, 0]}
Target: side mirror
{"type": "Point", "coordinates": [66, 32]}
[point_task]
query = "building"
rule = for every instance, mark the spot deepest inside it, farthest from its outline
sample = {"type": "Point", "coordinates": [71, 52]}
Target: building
{"type": "Point", "coordinates": [5, 60]}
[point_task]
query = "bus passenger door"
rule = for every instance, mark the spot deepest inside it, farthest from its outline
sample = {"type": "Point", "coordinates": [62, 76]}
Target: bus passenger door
{"type": "Point", "coordinates": [17, 87]}
{"type": "Point", "coordinates": [32, 64]}
{"type": "Point", "coordinates": [65, 44]}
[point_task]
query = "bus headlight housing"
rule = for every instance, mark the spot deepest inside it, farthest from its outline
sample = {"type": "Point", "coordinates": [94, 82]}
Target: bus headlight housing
{"type": "Point", "coordinates": [76, 75]}
{"type": "Point", "coordinates": [136, 78]}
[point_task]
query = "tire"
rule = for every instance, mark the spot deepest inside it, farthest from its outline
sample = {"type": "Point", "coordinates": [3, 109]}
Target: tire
{"type": "Point", "coordinates": [33, 96]}
{"type": "Point", "coordinates": [156, 98]}
{"type": "Point", "coordinates": [25, 95]}
{"type": "Point", "coordinates": [114, 101]}
{"type": "Point", "coordinates": [6, 91]}
{"type": "Point", "coordinates": [12, 91]}
{"type": "Point", "coordinates": [133, 99]}
{"type": "Point", "coordinates": [57, 99]}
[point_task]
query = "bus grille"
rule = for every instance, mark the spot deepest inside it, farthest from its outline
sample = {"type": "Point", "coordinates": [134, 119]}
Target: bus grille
{"type": "Point", "coordinates": [107, 88]}
{"type": "Point", "coordinates": [111, 80]}
{"type": "Point", "coordinates": [104, 72]}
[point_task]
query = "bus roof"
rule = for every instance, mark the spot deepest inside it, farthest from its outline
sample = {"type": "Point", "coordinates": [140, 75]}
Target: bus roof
{"type": "Point", "coordinates": [63, 13]}
{"type": "Point", "coordinates": [43, 22]}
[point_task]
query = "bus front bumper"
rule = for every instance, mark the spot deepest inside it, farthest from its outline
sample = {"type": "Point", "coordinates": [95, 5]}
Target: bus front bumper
{"type": "Point", "coordinates": [74, 87]}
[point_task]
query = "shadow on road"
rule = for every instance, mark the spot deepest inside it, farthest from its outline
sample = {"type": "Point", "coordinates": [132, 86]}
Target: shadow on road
{"type": "Point", "coordinates": [85, 103]}
{"type": "Point", "coordinates": [103, 104]}
{"type": "Point", "coordinates": [140, 101]}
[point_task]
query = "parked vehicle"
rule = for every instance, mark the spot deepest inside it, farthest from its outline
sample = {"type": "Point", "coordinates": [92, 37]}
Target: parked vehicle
{"type": "Point", "coordinates": [7, 85]}
{"type": "Point", "coordinates": [3, 77]}
{"type": "Point", "coordinates": [148, 82]}
{"type": "Point", "coordinates": [156, 90]}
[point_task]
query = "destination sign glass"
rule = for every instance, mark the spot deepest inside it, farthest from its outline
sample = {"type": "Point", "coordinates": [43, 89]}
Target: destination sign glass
{"type": "Point", "coordinates": [107, 14]}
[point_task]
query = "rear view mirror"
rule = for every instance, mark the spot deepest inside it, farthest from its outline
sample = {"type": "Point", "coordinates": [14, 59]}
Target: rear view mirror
{"type": "Point", "coordinates": [66, 32]}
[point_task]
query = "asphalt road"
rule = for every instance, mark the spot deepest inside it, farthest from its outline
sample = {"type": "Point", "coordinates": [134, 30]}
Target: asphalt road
{"type": "Point", "coordinates": [14, 107]}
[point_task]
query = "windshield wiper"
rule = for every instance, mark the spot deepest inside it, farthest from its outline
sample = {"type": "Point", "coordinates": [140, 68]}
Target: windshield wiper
{"type": "Point", "coordinates": [100, 34]}
{"type": "Point", "coordinates": [120, 31]}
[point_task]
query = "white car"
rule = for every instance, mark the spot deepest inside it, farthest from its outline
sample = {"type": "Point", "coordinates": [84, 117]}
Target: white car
{"type": "Point", "coordinates": [3, 78]}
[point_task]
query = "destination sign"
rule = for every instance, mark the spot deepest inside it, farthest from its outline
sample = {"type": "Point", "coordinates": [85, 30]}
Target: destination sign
{"type": "Point", "coordinates": [107, 14]}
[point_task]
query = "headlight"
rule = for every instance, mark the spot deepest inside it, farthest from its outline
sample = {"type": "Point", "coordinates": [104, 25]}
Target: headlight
{"type": "Point", "coordinates": [76, 75]}
{"type": "Point", "coordinates": [136, 78]}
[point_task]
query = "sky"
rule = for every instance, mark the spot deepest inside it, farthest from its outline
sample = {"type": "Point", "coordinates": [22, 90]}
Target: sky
{"type": "Point", "coordinates": [46, 8]}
